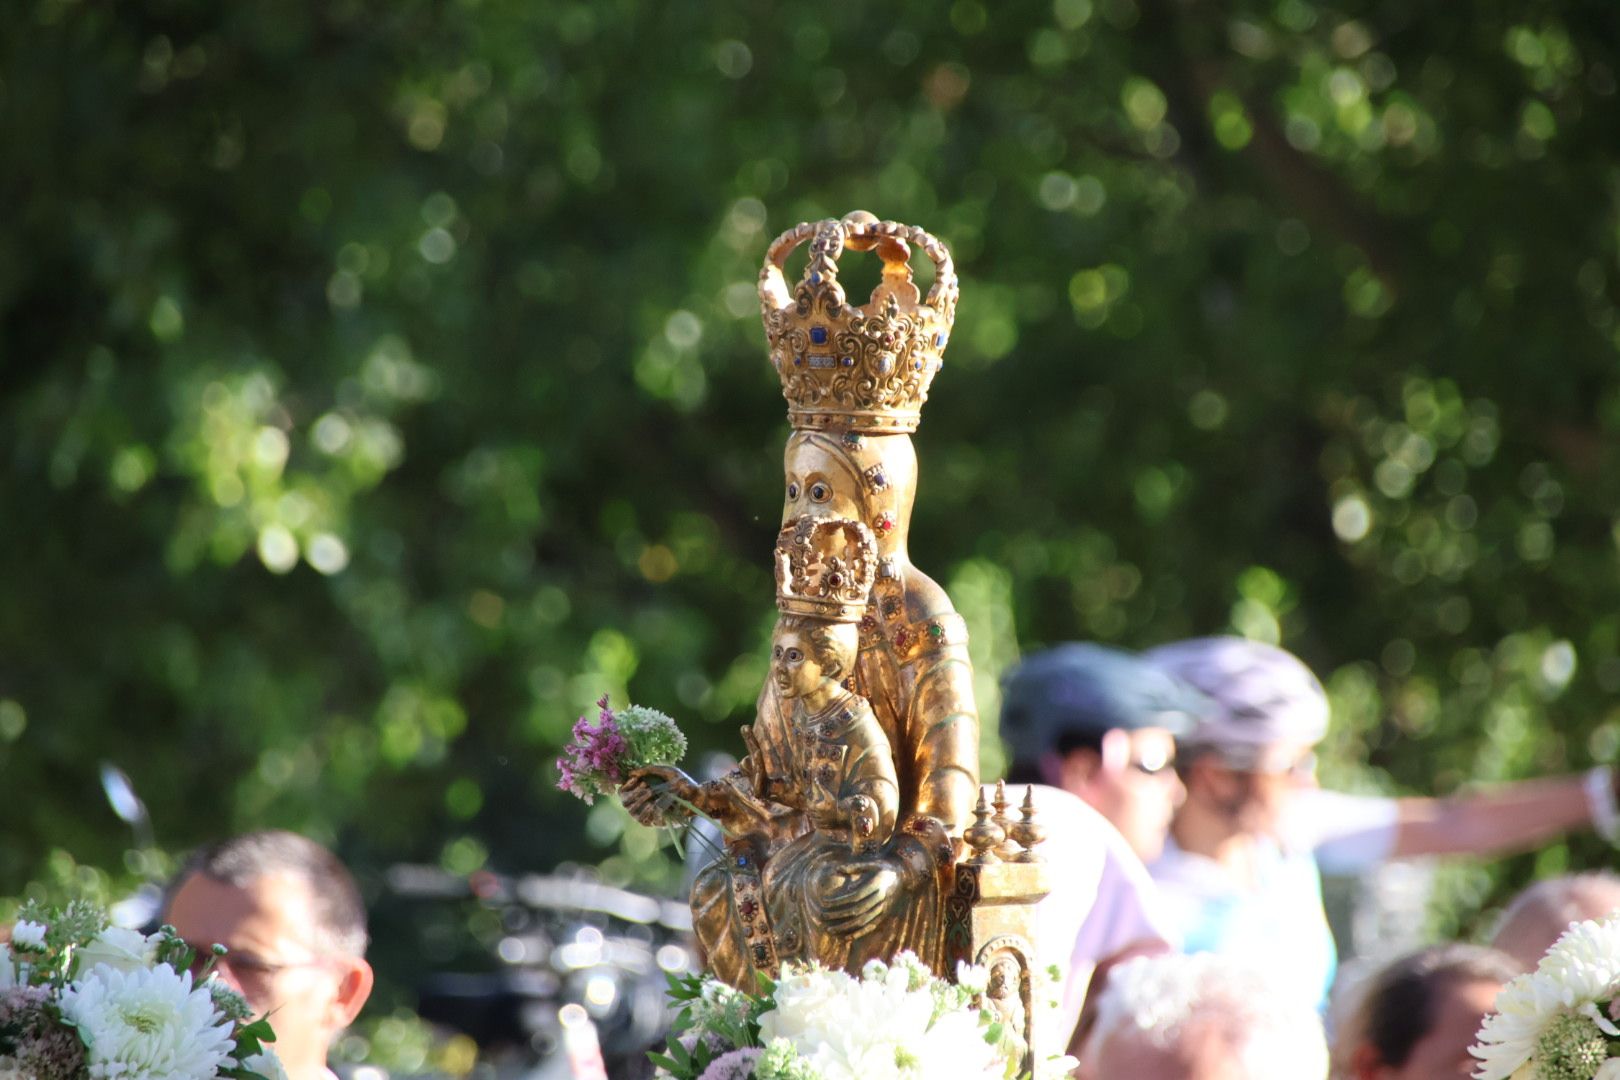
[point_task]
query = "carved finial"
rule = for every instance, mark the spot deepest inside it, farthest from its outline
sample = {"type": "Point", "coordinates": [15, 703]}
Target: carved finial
{"type": "Point", "coordinates": [1007, 851]}
{"type": "Point", "coordinates": [984, 834]}
{"type": "Point", "coordinates": [1027, 832]}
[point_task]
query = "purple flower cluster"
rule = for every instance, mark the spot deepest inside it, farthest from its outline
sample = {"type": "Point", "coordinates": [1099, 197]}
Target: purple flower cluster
{"type": "Point", "coordinates": [33, 1041]}
{"type": "Point", "coordinates": [593, 763]}
{"type": "Point", "coordinates": [734, 1065]}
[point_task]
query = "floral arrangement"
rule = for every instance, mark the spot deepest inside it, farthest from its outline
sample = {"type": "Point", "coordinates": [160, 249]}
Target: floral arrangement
{"type": "Point", "coordinates": [898, 1021]}
{"type": "Point", "coordinates": [82, 1000]}
{"type": "Point", "coordinates": [1559, 1022]}
{"type": "Point", "coordinates": [602, 756]}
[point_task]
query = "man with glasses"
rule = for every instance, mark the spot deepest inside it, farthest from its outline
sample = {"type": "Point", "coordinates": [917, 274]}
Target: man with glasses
{"type": "Point", "coordinates": [294, 926]}
{"type": "Point", "coordinates": [1094, 728]}
{"type": "Point", "coordinates": [1240, 873]}
{"type": "Point", "coordinates": [1102, 725]}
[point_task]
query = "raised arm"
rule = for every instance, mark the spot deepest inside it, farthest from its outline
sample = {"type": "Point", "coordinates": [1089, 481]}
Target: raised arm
{"type": "Point", "coordinates": [1498, 820]}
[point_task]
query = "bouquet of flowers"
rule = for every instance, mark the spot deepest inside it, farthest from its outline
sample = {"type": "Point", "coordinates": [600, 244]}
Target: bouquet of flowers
{"type": "Point", "coordinates": [1559, 1022]}
{"type": "Point", "coordinates": [898, 1021]}
{"type": "Point", "coordinates": [82, 1000]}
{"type": "Point", "coordinates": [601, 757]}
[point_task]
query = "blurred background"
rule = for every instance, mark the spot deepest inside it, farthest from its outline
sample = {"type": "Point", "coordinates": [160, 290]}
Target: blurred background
{"type": "Point", "coordinates": [381, 383]}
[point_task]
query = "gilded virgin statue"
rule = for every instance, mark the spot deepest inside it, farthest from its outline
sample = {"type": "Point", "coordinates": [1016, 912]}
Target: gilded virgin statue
{"type": "Point", "coordinates": [845, 819]}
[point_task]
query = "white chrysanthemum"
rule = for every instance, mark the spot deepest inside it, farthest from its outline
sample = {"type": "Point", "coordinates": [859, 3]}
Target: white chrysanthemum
{"type": "Point", "coordinates": [266, 1064]}
{"type": "Point", "coordinates": [28, 935]}
{"type": "Point", "coordinates": [889, 1025]}
{"type": "Point", "coordinates": [119, 948]}
{"type": "Point", "coordinates": [1585, 962]}
{"type": "Point", "coordinates": [150, 1024]}
{"type": "Point", "coordinates": [1583, 967]}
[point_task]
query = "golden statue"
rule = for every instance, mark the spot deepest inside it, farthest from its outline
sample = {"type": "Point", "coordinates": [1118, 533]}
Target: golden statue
{"type": "Point", "coordinates": [845, 820]}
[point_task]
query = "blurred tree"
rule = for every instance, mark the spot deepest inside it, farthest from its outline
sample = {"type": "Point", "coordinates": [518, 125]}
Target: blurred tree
{"type": "Point", "coordinates": [382, 382]}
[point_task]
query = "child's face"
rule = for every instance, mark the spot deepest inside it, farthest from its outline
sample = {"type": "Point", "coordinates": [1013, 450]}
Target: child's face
{"type": "Point", "coordinates": [793, 663]}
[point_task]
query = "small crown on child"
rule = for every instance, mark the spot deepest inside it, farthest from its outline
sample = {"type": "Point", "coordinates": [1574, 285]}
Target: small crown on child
{"type": "Point", "coordinates": [863, 368]}
{"type": "Point", "coordinates": [825, 568]}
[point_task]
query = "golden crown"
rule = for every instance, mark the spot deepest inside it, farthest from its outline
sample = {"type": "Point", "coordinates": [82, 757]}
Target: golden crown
{"type": "Point", "coordinates": [825, 568]}
{"type": "Point", "coordinates": [863, 368]}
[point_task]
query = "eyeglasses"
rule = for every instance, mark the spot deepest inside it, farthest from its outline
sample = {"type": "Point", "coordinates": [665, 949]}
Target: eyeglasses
{"type": "Point", "coordinates": [1155, 762]}
{"type": "Point", "coordinates": [252, 973]}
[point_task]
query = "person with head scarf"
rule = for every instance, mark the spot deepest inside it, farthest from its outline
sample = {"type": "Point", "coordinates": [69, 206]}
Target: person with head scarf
{"type": "Point", "coordinates": [1240, 873]}
{"type": "Point", "coordinates": [1094, 729]}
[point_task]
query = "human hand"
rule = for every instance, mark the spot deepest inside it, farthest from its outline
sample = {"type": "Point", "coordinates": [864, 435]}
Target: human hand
{"type": "Point", "coordinates": [860, 895]}
{"type": "Point", "coordinates": [654, 795]}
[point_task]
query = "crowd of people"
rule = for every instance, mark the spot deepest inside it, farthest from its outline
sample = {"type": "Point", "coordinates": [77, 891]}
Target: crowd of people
{"type": "Point", "coordinates": [1186, 838]}
{"type": "Point", "coordinates": [1189, 839]}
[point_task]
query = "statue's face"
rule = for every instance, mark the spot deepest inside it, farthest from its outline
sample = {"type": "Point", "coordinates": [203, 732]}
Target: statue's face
{"type": "Point", "coordinates": [871, 481]}
{"type": "Point", "coordinates": [794, 666]}
{"type": "Point", "coordinates": [820, 483]}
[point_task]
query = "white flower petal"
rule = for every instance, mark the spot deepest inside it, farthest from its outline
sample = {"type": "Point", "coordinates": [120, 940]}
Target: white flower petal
{"type": "Point", "coordinates": [147, 1024]}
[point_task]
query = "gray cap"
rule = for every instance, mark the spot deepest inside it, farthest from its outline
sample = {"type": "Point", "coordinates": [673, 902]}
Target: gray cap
{"type": "Point", "coordinates": [1086, 690]}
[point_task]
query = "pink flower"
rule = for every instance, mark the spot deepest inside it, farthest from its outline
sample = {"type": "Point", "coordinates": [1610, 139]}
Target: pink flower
{"type": "Point", "coordinates": [592, 764]}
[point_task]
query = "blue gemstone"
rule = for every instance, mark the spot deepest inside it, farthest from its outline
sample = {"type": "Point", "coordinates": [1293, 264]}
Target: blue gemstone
{"type": "Point", "coordinates": [917, 364]}
{"type": "Point", "coordinates": [818, 335]}
{"type": "Point", "coordinates": [798, 361]}
{"type": "Point", "coordinates": [815, 279]}
{"type": "Point", "coordinates": [939, 340]}
{"type": "Point", "coordinates": [848, 361]}
{"type": "Point", "coordinates": [742, 860]}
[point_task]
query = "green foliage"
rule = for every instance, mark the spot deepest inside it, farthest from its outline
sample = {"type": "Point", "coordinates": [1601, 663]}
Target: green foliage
{"type": "Point", "coordinates": [381, 383]}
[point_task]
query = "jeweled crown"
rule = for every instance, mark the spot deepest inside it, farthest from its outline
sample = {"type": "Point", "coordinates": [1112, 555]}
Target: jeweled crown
{"type": "Point", "coordinates": [825, 568]}
{"type": "Point", "coordinates": [855, 367]}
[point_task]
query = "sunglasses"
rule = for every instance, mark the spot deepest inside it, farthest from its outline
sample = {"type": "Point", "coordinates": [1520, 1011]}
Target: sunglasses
{"type": "Point", "coordinates": [1154, 762]}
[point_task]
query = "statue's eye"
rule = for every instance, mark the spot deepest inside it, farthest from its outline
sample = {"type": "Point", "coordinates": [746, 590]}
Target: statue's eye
{"type": "Point", "coordinates": [793, 490]}
{"type": "Point", "coordinates": [777, 652]}
{"type": "Point", "coordinates": [794, 656]}
{"type": "Point", "coordinates": [820, 492]}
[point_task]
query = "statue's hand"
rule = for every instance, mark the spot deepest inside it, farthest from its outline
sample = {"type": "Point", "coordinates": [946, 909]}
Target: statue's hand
{"type": "Point", "coordinates": [858, 897]}
{"type": "Point", "coordinates": [655, 795]}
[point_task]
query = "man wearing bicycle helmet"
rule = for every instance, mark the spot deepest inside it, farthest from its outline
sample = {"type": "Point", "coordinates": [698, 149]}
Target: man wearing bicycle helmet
{"type": "Point", "coordinates": [1240, 873]}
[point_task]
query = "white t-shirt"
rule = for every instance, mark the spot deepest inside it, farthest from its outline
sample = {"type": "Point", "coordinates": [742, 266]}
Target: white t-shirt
{"type": "Point", "coordinates": [1348, 834]}
{"type": "Point", "coordinates": [1278, 923]}
{"type": "Point", "coordinates": [1102, 903]}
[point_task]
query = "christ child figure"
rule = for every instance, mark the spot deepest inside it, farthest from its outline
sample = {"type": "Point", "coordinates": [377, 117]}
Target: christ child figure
{"type": "Point", "coordinates": [840, 768]}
